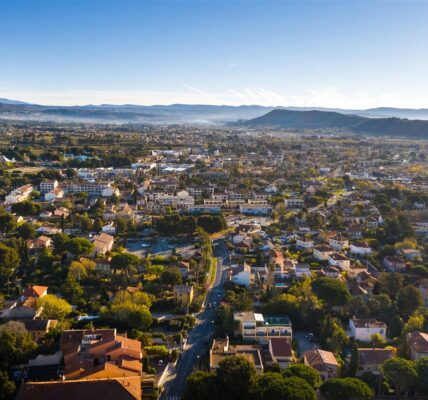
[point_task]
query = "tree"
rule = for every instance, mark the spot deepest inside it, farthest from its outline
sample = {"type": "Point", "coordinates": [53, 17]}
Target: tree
{"type": "Point", "coordinates": [126, 262]}
{"type": "Point", "coordinates": [45, 260]}
{"type": "Point", "coordinates": [171, 276]}
{"type": "Point", "coordinates": [72, 290]}
{"type": "Point", "coordinates": [79, 246]}
{"type": "Point", "coordinates": [332, 291]}
{"type": "Point", "coordinates": [422, 370]}
{"type": "Point", "coordinates": [235, 378]}
{"type": "Point", "coordinates": [273, 385]}
{"type": "Point", "coordinates": [396, 326]}
{"type": "Point", "coordinates": [7, 386]}
{"type": "Point", "coordinates": [132, 315]}
{"type": "Point", "coordinates": [16, 344]}
{"type": "Point", "coordinates": [200, 385]}
{"type": "Point", "coordinates": [26, 231]}
{"type": "Point", "coordinates": [346, 389]}
{"type": "Point", "coordinates": [82, 269]}
{"type": "Point", "coordinates": [98, 225]}
{"type": "Point", "coordinates": [400, 373]}
{"type": "Point", "coordinates": [7, 221]}
{"type": "Point", "coordinates": [9, 261]}
{"type": "Point", "coordinates": [26, 208]}
{"type": "Point", "coordinates": [391, 283]}
{"type": "Point", "coordinates": [59, 241]}
{"type": "Point", "coordinates": [53, 307]}
{"type": "Point", "coordinates": [409, 299]}
{"type": "Point", "coordinates": [306, 372]}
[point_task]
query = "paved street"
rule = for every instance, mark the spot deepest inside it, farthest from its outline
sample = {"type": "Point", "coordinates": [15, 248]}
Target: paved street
{"type": "Point", "coordinates": [200, 336]}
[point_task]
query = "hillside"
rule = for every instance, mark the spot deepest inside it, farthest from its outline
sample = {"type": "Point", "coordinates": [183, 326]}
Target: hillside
{"type": "Point", "coordinates": [316, 120]}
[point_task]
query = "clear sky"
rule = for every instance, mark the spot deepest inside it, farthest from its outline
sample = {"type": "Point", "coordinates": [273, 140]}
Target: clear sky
{"type": "Point", "coordinates": [305, 53]}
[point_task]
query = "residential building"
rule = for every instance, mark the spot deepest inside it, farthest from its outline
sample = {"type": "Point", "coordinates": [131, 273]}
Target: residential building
{"type": "Point", "coordinates": [361, 248]}
{"type": "Point", "coordinates": [339, 260]}
{"type": "Point", "coordinates": [371, 359]}
{"type": "Point", "coordinates": [323, 361]}
{"type": "Point", "coordinates": [221, 349]}
{"type": "Point", "coordinates": [394, 264]}
{"type": "Point", "coordinates": [48, 186]}
{"type": "Point", "coordinates": [183, 294]}
{"type": "Point", "coordinates": [103, 243]}
{"type": "Point", "coordinates": [294, 203]}
{"type": "Point", "coordinates": [364, 329]}
{"type": "Point", "coordinates": [418, 345]}
{"type": "Point", "coordinates": [281, 352]}
{"type": "Point", "coordinates": [18, 195]}
{"type": "Point", "coordinates": [339, 243]}
{"type": "Point", "coordinates": [322, 252]}
{"type": "Point", "coordinates": [304, 243]}
{"type": "Point", "coordinates": [260, 328]}
{"type": "Point", "coordinates": [38, 328]}
{"type": "Point", "coordinates": [241, 275]}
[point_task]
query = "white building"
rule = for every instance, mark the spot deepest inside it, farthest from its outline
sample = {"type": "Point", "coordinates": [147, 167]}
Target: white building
{"type": "Point", "coordinates": [19, 194]}
{"type": "Point", "coordinates": [364, 329]}
{"type": "Point", "coordinates": [260, 328]}
{"type": "Point", "coordinates": [360, 249]}
{"type": "Point", "coordinates": [339, 260]}
{"type": "Point", "coordinates": [48, 186]}
{"type": "Point", "coordinates": [241, 275]}
{"type": "Point", "coordinates": [322, 252]}
{"type": "Point", "coordinates": [294, 203]}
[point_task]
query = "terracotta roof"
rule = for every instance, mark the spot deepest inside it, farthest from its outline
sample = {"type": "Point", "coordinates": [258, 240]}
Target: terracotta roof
{"type": "Point", "coordinates": [374, 356]}
{"type": "Point", "coordinates": [128, 388]}
{"type": "Point", "coordinates": [318, 358]}
{"type": "Point", "coordinates": [34, 291]}
{"type": "Point", "coordinates": [281, 347]}
{"type": "Point", "coordinates": [418, 341]}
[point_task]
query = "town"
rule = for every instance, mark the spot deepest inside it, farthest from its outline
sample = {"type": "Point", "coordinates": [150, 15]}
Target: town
{"type": "Point", "coordinates": [195, 262]}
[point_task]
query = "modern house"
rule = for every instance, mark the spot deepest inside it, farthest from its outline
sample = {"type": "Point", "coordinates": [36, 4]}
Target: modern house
{"type": "Point", "coordinates": [323, 361]}
{"type": "Point", "coordinates": [418, 344]}
{"type": "Point", "coordinates": [183, 294]}
{"type": "Point", "coordinates": [364, 329]}
{"type": "Point", "coordinates": [260, 328]}
{"type": "Point", "coordinates": [221, 349]}
{"type": "Point", "coordinates": [280, 351]}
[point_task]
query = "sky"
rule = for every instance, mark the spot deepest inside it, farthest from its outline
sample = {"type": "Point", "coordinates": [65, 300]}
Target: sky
{"type": "Point", "coordinates": [343, 53]}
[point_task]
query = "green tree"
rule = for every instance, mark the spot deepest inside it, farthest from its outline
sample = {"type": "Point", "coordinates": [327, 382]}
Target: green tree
{"type": "Point", "coordinates": [306, 372]}
{"type": "Point", "coordinates": [391, 283]}
{"type": "Point", "coordinates": [395, 327]}
{"type": "Point", "coordinates": [132, 315]}
{"type": "Point", "coordinates": [16, 344]}
{"type": "Point", "coordinates": [53, 307]}
{"type": "Point", "coordinates": [126, 262]}
{"type": "Point", "coordinates": [400, 373]}
{"type": "Point", "coordinates": [346, 389]}
{"type": "Point", "coordinates": [200, 385]}
{"type": "Point", "coordinates": [59, 241]}
{"type": "Point", "coordinates": [9, 261]}
{"type": "Point", "coordinates": [7, 386]}
{"type": "Point", "coordinates": [235, 378]}
{"type": "Point", "coordinates": [171, 276]}
{"type": "Point", "coordinates": [79, 246]}
{"type": "Point", "coordinates": [409, 299]}
{"type": "Point", "coordinates": [7, 221]}
{"type": "Point", "coordinates": [332, 291]}
{"type": "Point", "coordinates": [422, 370]}
{"type": "Point", "coordinates": [26, 231]}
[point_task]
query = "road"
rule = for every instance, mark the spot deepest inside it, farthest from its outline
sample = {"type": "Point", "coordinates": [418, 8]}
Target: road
{"type": "Point", "coordinates": [199, 338]}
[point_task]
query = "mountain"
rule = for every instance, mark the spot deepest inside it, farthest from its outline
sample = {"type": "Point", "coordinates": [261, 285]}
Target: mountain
{"type": "Point", "coordinates": [8, 101]}
{"type": "Point", "coordinates": [128, 113]}
{"type": "Point", "coordinates": [329, 120]}
{"type": "Point", "coordinates": [291, 117]}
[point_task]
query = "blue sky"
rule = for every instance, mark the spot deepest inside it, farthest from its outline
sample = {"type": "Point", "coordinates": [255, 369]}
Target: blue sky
{"type": "Point", "coordinates": [350, 54]}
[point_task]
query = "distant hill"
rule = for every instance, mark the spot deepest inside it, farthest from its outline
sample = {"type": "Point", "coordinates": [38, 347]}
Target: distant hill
{"type": "Point", "coordinates": [291, 117]}
{"type": "Point", "coordinates": [315, 120]}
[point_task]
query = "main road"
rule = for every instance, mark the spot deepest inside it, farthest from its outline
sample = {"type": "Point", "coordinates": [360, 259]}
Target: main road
{"type": "Point", "coordinates": [199, 338]}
